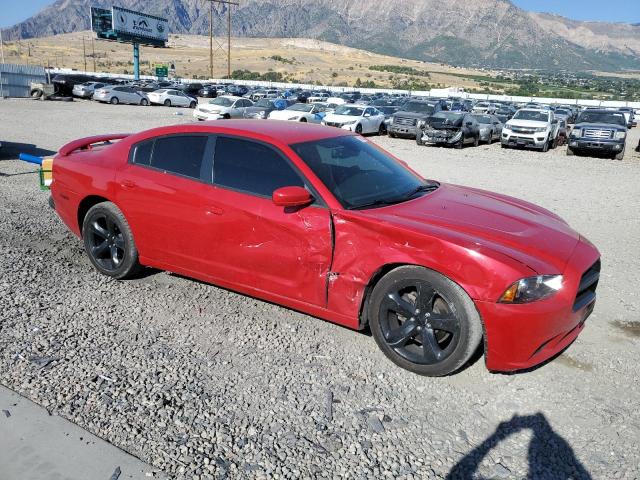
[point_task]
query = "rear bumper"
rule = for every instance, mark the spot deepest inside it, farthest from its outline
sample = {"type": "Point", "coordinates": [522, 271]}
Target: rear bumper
{"type": "Point", "coordinates": [523, 336]}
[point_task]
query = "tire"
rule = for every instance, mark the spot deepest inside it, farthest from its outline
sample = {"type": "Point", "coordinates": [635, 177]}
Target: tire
{"type": "Point", "coordinates": [36, 93]}
{"type": "Point", "coordinates": [476, 141]}
{"type": "Point", "coordinates": [545, 148]}
{"type": "Point", "coordinates": [412, 341]}
{"type": "Point", "coordinates": [192, 105]}
{"type": "Point", "coordinates": [619, 156]}
{"type": "Point", "coordinates": [114, 101]}
{"type": "Point", "coordinates": [392, 135]}
{"type": "Point", "coordinates": [358, 129]}
{"type": "Point", "coordinates": [502, 145]}
{"type": "Point", "coordinates": [419, 139]}
{"type": "Point", "coordinates": [144, 102]}
{"type": "Point", "coordinates": [226, 116]}
{"type": "Point", "coordinates": [460, 144]}
{"type": "Point", "coordinates": [303, 120]}
{"type": "Point", "coordinates": [570, 153]}
{"type": "Point", "coordinates": [109, 242]}
{"type": "Point", "coordinates": [382, 130]}
{"type": "Point", "coordinates": [167, 103]}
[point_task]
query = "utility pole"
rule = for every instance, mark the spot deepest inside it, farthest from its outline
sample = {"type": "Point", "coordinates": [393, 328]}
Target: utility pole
{"type": "Point", "coordinates": [228, 3]}
{"type": "Point", "coordinates": [1, 47]}
{"type": "Point", "coordinates": [93, 49]}
{"type": "Point", "coordinates": [84, 54]}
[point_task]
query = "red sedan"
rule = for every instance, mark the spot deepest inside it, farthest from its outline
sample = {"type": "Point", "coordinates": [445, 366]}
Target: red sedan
{"type": "Point", "coordinates": [320, 220]}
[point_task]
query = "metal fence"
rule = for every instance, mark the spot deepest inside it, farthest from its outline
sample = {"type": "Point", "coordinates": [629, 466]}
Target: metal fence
{"type": "Point", "coordinates": [15, 80]}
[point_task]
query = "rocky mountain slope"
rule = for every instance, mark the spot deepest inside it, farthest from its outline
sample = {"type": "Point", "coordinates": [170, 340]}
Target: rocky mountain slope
{"type": "Point", "coordinates": [492, 33]}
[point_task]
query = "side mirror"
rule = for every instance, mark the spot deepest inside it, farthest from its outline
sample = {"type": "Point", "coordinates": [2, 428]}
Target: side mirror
{"type": "Point", "coordinates": [292, 197]}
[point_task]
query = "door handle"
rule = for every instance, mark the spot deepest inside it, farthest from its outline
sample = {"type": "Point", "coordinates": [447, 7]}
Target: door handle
{"type": "Point", "coordinates": [214, 210]}
{"type": "Point", "coordinates": [128, 184]}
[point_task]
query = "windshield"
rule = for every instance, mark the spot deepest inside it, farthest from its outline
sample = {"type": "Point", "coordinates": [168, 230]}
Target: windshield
{"type": "Point", "coordinates": [264, 103]}
{"type": "Point", "coordinates": [419, 107]}
{"type": "Point", "coordinates": [482, 118]}
{"type": "Point", "coordinates": [482, 105]}
{"type": "Point", "coordinates": [602, 117]}
{"type": "Point", "coordinates": [531, 115]}
{"type": "Point", "coordinates": [562, 112]}
{"type": "Point", "coordinates": [357, 173]}
{"type": "Point", "coordinates": [451, 116]}
{"type": "Point", "coordinates": [300, 107]}
{"type": "Point", "coordinates": [347, 110]}
{"type": "Point", "coordinates": [222, 101]}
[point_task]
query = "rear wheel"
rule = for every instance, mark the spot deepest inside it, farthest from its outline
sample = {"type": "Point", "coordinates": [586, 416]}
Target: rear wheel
{"type": "Point", "coordinates": [114, 101]}
{"type": "Point", "coordinates": [109, 242]}
{"type": "Point", "coordinates": [167, 103]}
{"type": "Point", "coordinates": [424, 322]}
{"type": "Point", "coordinates": [192, 105]}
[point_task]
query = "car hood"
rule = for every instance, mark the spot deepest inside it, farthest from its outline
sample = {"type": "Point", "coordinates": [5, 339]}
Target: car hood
{"type": "Point", "coordinates": [405, 114]}
{"type": "Point", "coordinates": [527, 123]}
{"type": "Point", "coordinates": [601, 126]}
{"type": "Point", "coordinates": [525, 232]}
{"type": "Point", "coordinates": [259, 109]}
{"type": "Point", "coordinates": [208, 108]}
{"type": "Point", "coordinates": [285, 114]}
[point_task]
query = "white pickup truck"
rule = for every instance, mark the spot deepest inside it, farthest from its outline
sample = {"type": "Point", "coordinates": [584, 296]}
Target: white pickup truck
{"type": "Point", "coordinates": [531, 128]}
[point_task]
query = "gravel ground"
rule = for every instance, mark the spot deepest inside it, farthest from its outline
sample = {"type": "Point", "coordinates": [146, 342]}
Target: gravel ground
{"type": "Point", "coordinates": [205, 383]}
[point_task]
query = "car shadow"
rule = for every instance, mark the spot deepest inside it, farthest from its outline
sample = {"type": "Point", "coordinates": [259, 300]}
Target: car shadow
{"type": "Point", "coordinates": [549, 455]}
{"type": "Point", "coordinates": [11, 150]}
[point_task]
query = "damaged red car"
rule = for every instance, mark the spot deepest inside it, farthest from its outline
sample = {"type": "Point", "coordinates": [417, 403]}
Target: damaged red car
{"type": "Point", "coordinates": [321, 220]}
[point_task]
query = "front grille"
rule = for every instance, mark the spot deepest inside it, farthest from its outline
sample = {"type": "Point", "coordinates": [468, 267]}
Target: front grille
{"type": "Point", "coordinates": [525, 130]}
{"type": "Point", "coordinates": [333, 124]}
{"type": "Point", "coordinates": [597, 133]}
{"type": "Point", "coordinates": [587, 288]}
{"type": "Point", "coordinates": [405, 121]}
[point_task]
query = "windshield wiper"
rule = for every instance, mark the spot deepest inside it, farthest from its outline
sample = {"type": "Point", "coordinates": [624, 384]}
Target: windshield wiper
{"type": "Point", "coordinates": [430, 187]}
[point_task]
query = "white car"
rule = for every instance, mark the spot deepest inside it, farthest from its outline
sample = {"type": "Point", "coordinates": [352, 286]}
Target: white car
{"type": "Point", "coordinates": [485, 107]}
{"type": "Point", "coordinates": [85, 90]}
{"type": "Point", "coordinates": [300, 112]}
{"type": "Point", "coordinates": [336, 100]}
{"type": "Point", "coordinates": [532, 128]}
{"type": "Point", "coordinates": [356, 118]}
{"type": "Point", "coordinates": [170, 98]}
{"type": "Point", "coordinates": [318, 97]}
{"type": "Point", "coordinates": [222, 108]}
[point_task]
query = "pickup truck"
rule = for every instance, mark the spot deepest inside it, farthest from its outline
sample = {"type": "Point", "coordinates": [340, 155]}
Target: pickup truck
{"type": "Point", "coordinates": [531, 128]}
{"type": "Point", "coordinates": [404, 122]}
{"type": "Point", "coordinates": [599, 131]}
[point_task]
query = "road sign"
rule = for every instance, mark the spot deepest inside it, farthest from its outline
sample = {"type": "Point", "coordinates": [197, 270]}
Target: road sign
{"type": "Point", "coordinates": [162, 70]}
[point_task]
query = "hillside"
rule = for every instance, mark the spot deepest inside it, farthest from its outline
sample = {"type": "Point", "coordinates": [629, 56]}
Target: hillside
{"type": "Point", "coordinates": [476, 33]}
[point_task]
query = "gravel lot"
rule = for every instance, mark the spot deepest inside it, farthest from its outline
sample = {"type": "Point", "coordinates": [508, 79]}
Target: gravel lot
{"type": "Point", "coordinates": [205, 383]}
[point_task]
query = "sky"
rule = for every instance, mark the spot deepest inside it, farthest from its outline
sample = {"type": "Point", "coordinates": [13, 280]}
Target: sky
{"type": "Point", "coordinates": [12, 11]}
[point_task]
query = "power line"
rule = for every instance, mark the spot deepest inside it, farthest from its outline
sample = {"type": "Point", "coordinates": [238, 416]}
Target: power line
{"type": "Point", "coordinates": [228, 4]}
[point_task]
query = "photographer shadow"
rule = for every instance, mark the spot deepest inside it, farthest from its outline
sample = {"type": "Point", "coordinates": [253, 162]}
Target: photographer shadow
{"type": "Point", "coordinates": [550, 457]}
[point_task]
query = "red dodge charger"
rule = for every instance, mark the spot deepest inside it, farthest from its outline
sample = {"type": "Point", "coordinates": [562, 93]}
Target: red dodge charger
{"type": "Point", "coordinates": [321, 220]}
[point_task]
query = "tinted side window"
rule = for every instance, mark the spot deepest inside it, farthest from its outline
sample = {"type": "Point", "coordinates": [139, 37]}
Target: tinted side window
{"type": "Point", "coordinates": [181, 154]}
{"type": "Point", "coordinates": [141, 154]}
{"type": "Point", "coordinates": [251, 167]}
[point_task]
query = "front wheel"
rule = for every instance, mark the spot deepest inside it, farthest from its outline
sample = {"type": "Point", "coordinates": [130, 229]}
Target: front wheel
{"type": "Point", "coordinates": [620, 156]}
{"type": "Point", "coordinates": [108, 241]}
{"type": "Point", "coordinates": [392, 135]}
{"type": "Point", "coordinates": [192, 105]}
{"type": "Point", "coordinates": [114, 101]}
{"type": "Point", "coordinates": [545, 148]}
{"type": "Point", "coordinates": [476, 140]}
{"type": "Point", "coordinates": [424, 322]}
{"type": "Point", "coordinates": [303, 120]}
{"type": "Point", "coordinates": [144, 102]}
{"type": "Point", "coordinates": [359, 129]}
{"type": "Point", "coordinates": [382, 129]}
{"type": "Point", "coordinates": [167, 103]}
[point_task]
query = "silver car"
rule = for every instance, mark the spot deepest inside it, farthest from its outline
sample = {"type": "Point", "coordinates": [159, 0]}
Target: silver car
{"type": "Point", "coordinates": [490, 127]}
{"type": "Point", "coordinates": [169, 98]}
{"type": "Point", "coordinates": [86, 90]}
{"type": "Point", "coordinates": [222, 108]}
{"type": "Point", "coordinates": [120, 94]}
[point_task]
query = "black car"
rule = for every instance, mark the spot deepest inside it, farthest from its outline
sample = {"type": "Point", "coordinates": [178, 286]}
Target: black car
{"type": "Point", "coordinates": [505, 113]}
{"type": "Point", "coordinates": [190, 89]}
{"type": "Point", "coordinates": [208, 91]}
{"type": "Point", "coordinates": [263, 107]}
{"type": "Point", "coordinates": [303, 96]}
{"type": "Point", "coordinates": [455, 129]}
{"type": "Point", "coordinates": [602, 132]}
{"type": "Point", "coordinates": [237, 90]}
{"type": "Point", "coordinates": [404, 122]}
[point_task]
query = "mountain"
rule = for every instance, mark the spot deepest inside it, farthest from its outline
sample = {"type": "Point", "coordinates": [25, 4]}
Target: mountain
{"type": "Point", "coordinates": [481, 33]}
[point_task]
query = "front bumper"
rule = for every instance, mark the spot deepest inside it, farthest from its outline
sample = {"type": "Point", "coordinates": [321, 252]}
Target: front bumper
{"type": "Point", "coordinates": [342, 126]}
{"type": "Point", "coordinates": [206, 116]}
{"type": "Point", "coordinates": [440, 137]}
{"type": "Point", "coordinates": [523, 336]}
{"type": "Point", "coordinates": [596, 145]}
{"type": "Point", "coordinates": [403, 130]}
{"type": "Point", "coordinates": [535, 140]}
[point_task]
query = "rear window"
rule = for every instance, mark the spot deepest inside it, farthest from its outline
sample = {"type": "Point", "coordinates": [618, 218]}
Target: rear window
{"type": "Point", "coordinates": [180, 154]}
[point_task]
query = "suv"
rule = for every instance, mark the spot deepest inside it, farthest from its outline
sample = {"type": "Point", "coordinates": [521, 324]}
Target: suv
{"type": "Point", "coordinates": [599, 131]}
{"type": "Point", "coordinates": [404, 122]}
{"type": "Point", "coordinates": [532, 128]}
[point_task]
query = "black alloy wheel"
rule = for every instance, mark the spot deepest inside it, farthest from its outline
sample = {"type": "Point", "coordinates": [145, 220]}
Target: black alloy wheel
{"type": "Point", "coordinates": [359, 129]}
{"type": "Point", "coordinates": [109, 242]}
{"type": "Point", "coordinates": [423, 321]}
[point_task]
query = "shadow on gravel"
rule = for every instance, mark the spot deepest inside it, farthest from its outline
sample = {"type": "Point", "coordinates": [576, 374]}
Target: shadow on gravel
{"type": "Point", "coordinates": [11, 150]}
{"type": "Point", "coordinates": [550, 457]}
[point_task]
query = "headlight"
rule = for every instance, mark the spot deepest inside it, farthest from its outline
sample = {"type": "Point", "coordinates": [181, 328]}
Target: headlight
{"type": "Point", "coordinates": [421, 123]}
{"type": "Point", "coordinates": [621, 135]}
{"type": "Point", "coordinates": [576, 132]}
{"type": "Point", "coordinates": [532, 289]}
{"type": "Point", "coordinates": [540, 129]}
{"type": "Point", "coordinates": [484, 131]}
{"type": "Point", "coordinates": [349, 123]}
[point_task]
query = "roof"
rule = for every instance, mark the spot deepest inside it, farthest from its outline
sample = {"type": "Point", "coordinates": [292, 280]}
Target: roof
{"type": "Point", "coordinates": [277, 131]}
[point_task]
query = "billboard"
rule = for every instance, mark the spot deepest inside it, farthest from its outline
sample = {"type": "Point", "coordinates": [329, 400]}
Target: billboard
{"type": "Point", "coordinates": [101, 20]}
{"type": "Point", "coordinates": [131, 24]}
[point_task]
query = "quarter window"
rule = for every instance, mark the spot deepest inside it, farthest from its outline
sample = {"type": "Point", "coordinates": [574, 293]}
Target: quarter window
{"type": "Point", "coordinates": [251, 167]}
